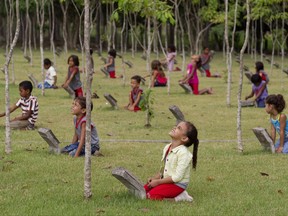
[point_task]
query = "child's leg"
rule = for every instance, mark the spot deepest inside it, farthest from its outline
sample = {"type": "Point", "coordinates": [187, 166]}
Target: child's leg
{"type": "Point", "coordinates": [164, 191]}
{"type": "Point", "coordinates": [261, 103]}
{"type": "Point", "coordinates": [206, 90]}
{"type": "Point", "coordinates": [70, 148]}
{"type": "Point", "coordinates": [285, 147]}
{"type": "Point", "coordinates": [19, 124]}
{"type": "Point", "coordinates": [208, 74]}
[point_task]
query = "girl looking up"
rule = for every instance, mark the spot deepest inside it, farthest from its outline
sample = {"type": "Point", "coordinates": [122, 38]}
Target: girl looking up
{"type": "Point", "coordinates": [275, 104]}
{"type": "Point", "coordinates": [172, 181]}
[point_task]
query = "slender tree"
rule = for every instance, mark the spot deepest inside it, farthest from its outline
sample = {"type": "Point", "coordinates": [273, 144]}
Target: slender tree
{"type": "Point", "coordinates": [7, 98]}
{"type": "Point", "coordinates": [89, 75]}
{"type": "Point", "coordinates": [239, 95]}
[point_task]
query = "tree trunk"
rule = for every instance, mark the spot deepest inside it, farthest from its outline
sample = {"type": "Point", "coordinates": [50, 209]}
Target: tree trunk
{"type": "Point", "coordinates": [7, 98]}
{"type": "Point", "coordinates": [64, 7]}
{"type": "Point", "coordinates": [52, 30]}
{"type": "Point", "coordinates": [239, 110]}
{"type": "Point", "coordinates": [89, 73]}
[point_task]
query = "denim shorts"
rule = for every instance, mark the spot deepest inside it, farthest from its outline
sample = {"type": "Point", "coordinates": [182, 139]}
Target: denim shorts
{"type": "Point", "coordinates": [72, 148]}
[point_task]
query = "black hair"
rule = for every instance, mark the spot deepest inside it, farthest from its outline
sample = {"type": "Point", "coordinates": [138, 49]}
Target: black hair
{"type": "Point", "coordinates": [192, 135]}
{"type": "Point", "coordinates": [26, 85]}
{"type": "Point", "coordinates": [137, 78]}
{"type": "Point", "coordinates": [276, 100]}
{"type": "Point", "coordinates": [47, 61]}
{"type": "Point", "coordinates": [256, 78]}
{"type": "Point", "coordinates": [82, 102]}
{"type": "Point", "coordinates": [113, 53]}
{"type": "Point", "coordinates": [75, 59]}
{"type": "Point", "coordinates": [259, 66]}
{"type": "Point", "coordinates": [172, 48]}
{"type": "Point", "coordinates": [91, 51]}
{"type": "Point", "coordinates": [156, 65]}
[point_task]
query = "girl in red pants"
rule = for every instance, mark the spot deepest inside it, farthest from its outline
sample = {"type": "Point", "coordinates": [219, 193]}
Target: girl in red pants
{"type": "Point", "coordinates": [172, 181]}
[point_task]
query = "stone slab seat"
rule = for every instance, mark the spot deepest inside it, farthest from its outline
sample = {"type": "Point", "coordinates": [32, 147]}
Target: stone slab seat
{"type": "Point", "coordinates": [186, 87]}
{"type": "Point", "coordinates": [248, 74]}
{"type": "Point", "coordinates": [70, 92]}
{"type": "Point", "coordinates": [264, 138]}
{"type": "Point", "coordinates": [105, 71]}
{"type": "Point", "coordinates": [111, 100]}
{"type": "Point", "coordinates": [33, 80]}
{"type": "Point", "coordinates": [51, 139]}
{"type": "Point", "coordinates": [130, 181]}
{"type": "Point", "coordinates": [248, 103]}
{"type": "Point", "coordinates": [177, 113]}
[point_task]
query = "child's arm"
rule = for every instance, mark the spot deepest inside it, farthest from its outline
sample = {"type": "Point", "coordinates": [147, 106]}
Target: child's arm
{"type": "Point", "coordinates": [11, 109]}
{"type": "Point", "coordinates": [153, 78]}
{"type": "Point", "coordinates": [260, 91]}
{"type": "Point", "coordinates": [68, 80]}
{"type": "Point", "coordinates": [55, 80]}
{"type": "Point", "coordinates": [250, 95]}
{"type": "Point", "coordinates": [283, 119]}
{"type": "Point", "coordinates": [155, 182]}
{"type": "Point", "coordinates": [81, 140]}
{"type": "Point", "coordinates": [273, 133]}
{"type": "Point", "coordinates": [110, 62]}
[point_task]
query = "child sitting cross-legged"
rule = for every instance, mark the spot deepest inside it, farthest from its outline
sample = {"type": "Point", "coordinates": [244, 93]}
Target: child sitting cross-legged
{"type": "Point", "coordinates": [29, 106]}
{"type": "Point", "coordinates": [77, 148]}
{"type": "Point", "coordinates": [171, 182]}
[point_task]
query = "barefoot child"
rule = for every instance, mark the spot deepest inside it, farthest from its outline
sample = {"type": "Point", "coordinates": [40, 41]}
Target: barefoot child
{"type": "Point", "coordinates": [172, 181]}
{"type": "Point", "coordinates": [29, 107]}
{"type": "Point", "coordinates": [77, 148]}
{"type": "Point", "coordinates": [135, 94]}
{"type": "Point", "coordinates": [110, 65]}
{"type": "Point", "coordinates": [259, 89]}
{"type": "Point", "coordinates": [275, 104]}
{"type": "Point", "coordinates": [73, 76]}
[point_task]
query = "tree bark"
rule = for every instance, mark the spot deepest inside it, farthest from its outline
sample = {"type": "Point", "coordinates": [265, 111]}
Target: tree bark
{"type": "Point", "coordinates": [87, 166]}
{"type": "Point", "coordinates": [7, 98]}
{"type": "Point", "coordinates": [239, 110]}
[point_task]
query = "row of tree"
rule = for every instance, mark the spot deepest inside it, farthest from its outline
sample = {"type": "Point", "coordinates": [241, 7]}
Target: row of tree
{"type": "Point", "coordinates": [123, 24]}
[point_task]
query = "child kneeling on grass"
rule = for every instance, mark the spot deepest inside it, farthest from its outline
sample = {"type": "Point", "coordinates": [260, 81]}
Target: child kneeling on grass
{"type": "Point", "coordinates": [171, 183]}
{"type": "Point", "coordinates": [29, 107]}
{"type": "Point", "coordinates": [135, 95]}
{"type": "Point", "coordinates": [77, 148]}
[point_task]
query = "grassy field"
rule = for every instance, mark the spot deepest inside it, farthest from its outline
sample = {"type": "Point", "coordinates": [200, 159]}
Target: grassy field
{"type": "Point", "coordinates": [226, 182]}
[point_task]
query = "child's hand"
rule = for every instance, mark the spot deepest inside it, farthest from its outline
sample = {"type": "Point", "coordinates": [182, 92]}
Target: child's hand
{"type": "Point", "coordinates": [64, 85]}
{"type": "Point", "coordinates": [131, 108]}
{"type": "Point", "coordinates": [279, 150]}
{"type": "Point", "coordinates": [153, 183]}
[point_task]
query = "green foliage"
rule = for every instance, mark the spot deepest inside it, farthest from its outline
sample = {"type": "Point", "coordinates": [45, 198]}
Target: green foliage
{"type": "Point", "coordinates": [146, 8]}
{"type": "Point", "coordinates": [146, 105]}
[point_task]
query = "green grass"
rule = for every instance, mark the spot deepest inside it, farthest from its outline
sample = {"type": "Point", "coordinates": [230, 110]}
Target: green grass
{"type": "Point", "coordinates": [34, 182]}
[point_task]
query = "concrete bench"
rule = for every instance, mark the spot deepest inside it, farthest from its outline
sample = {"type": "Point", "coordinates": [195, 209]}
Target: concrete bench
{"type": "Point", "coordinates": [27, 58]}
{"type": "Point", "coordinates": [248, 74]}
{"type": "Point", "coordinates": [247, 103]}
{"type": "Point", "coordinates": [143, 80]}
{"type": "Point", "coordinates": [33, 80]}
{"type": "Point", "coordinates": [70, 92]}
{"type": "Point", "coordinates": [129, 63]}
{"type": "Point", "coordinates": [268, 60]}
{"type": "Point", "coordinates": [264, 139]}
{"type": "Point", "coordinates": [177, 113]}
{"type": "Point", "coordinates": [111, 100]}
{"type": "Point", "coordinates": [103, 59]}
{"type": "Point", "coordinates": [186, 87]}
{"type": "Point", "coordinates": [285, 71]}
{"type": "Point", "coordinates": [105, 71]}
{"type": "Point", "coordinates": [51, 139]}
{"type": "Point", "coordinates": [245, 68]}
{"type": "Point", "coordinates": [133, 185]}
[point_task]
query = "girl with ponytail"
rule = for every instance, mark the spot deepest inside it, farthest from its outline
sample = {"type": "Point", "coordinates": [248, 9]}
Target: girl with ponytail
{"type": "Point", "coordinates": [172, 181]}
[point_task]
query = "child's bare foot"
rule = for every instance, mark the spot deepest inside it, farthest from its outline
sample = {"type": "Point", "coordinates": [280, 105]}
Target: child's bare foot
{"type": "Point", "coordinates": [210, 91]}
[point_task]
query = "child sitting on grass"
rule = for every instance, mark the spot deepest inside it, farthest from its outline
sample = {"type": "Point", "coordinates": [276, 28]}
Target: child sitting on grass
{"type": "Point", "coordinates": [50, 77]}
{"type": "Point", "coordinates": [259, 66]}
{"type": "Point", "coordinates": [171, 182]}
{"type": "Point", "coordinates": [135, 94]}
{"type": "Point", "coordinates": [275, 104]}
{"type": "Point", "coordinates": [158, 77]}
{"type": "Point", "coordinates": [77, 148]}
{"type": "Point", "coordinates": [110, 65]}
{"type": "Point", "coordinates": [29, 107]}
{"type": "Point", "coordinates": [259, 89]}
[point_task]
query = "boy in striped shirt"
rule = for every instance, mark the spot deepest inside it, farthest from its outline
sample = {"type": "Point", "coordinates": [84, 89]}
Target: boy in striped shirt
{"type": "Point", "coordinates": [28, 105]}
